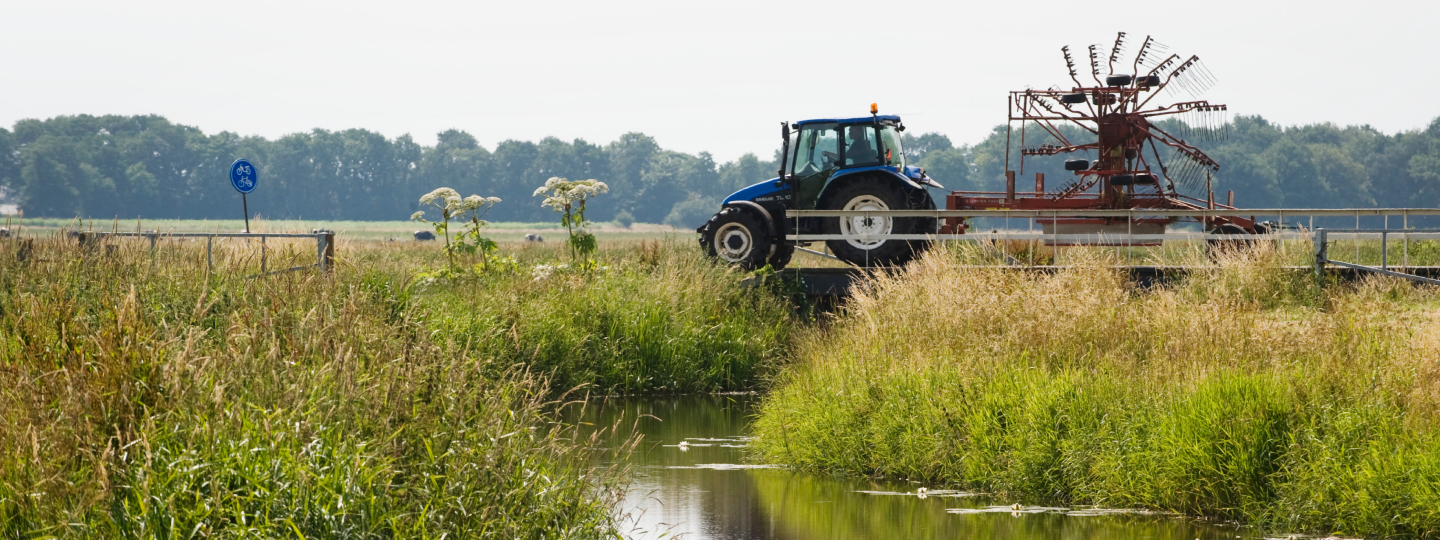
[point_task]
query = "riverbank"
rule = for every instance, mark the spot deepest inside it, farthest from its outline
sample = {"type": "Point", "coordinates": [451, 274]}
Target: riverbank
{"type": "Point", "coordinates": [151, 397]}
{"type": "Point", "coordinates": [1244, 393]}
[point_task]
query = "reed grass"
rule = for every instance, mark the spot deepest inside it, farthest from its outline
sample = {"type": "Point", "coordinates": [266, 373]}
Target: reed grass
{"type": "Point", "coordinates": [653, 318]}
{"type": "Point", "coordinates": [148, 397]}
{"type": "Point", "coordinates": [1245, 391]}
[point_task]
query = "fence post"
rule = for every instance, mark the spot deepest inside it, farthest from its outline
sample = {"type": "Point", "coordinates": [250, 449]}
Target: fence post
{"type": "Point", "coordinates": [209, 261]}
{"type": "Point", "coordinates": [262, 254]}
{"type": "Point", "coordinates": [329, 251]}
{"type": "Point", "coordinates": [153, 236]}
{"type": "Point", "coordinates": [1384, 250]}
{"type": "Point", "coordinates": [325, 251]}
{"type": "Point", "coordinates": [1320, 253]}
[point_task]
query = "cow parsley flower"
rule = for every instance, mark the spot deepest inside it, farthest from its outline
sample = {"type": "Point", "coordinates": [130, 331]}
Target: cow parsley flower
{"type": "Point", "coordinates": [445, 194]}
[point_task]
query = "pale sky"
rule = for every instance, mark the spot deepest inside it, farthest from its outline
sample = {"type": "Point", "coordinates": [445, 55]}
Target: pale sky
{"type": "Point", "coordinates": [714, 76]}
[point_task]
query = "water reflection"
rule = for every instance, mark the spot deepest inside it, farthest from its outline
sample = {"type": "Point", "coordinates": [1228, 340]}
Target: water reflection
{"type": "Point", "coordinates": [703, 489]}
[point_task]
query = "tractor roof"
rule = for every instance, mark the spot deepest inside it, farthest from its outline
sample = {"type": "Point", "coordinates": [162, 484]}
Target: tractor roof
{"type": "Point", "coordinates": [843, 121]}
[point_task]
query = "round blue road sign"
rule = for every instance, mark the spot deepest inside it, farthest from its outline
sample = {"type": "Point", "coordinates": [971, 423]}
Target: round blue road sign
{"type": "Point", "coordinates": [243, 176]}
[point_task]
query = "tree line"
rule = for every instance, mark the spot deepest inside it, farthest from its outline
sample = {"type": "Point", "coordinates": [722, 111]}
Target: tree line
{"type": "Point", "coordinates": [147, 166]}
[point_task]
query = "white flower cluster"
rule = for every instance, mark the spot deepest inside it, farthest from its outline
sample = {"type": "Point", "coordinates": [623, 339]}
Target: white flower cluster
{"type": "Point", "coordinates": [543, 271]}
{"type": "Point", "coordinates": [473, 202]}
{"type": "Point", "coordinates": [564, 193]}
{"type": "Point", "coordinates": [446, 195]}
{"type": "Point", "coordinates": [449, 200]}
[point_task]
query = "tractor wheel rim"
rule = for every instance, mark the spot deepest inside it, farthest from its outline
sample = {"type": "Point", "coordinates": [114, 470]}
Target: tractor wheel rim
{"type": "Point", "coordinates": [866, 225]}
{"type": "Point", "coordinates": [733, 242]}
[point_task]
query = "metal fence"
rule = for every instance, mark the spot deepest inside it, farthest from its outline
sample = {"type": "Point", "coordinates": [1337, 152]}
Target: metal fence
{"type": "Point", "coordinates": [324, 245]}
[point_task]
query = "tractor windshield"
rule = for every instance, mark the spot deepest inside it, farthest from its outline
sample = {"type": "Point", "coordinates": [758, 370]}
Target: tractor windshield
{"type": "Point", "coordinates": [890, 139]}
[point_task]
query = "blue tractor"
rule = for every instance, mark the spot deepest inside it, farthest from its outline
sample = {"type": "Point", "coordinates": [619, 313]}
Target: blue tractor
{"type": "Point", "coordinates": [828, 164]}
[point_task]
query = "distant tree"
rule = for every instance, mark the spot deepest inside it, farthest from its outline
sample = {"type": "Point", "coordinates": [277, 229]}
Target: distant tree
{"type": "Point", "coordinates": [691, 213]}
{"type": "Point", "coordinates": [916, 147]}
{"type": "Point", "coordinates": [458, 160]}
{"type": "Point", "coordinates": [668, 178]}
{"type": "Point", "coordinates": [9, 164]}
{"type": "Point", "coordinates": [628, 157]}
{"type": "Point", "coordinates": [53, 181]}
{"type": "Point", "coordinates": [950, 167]}
{"type": "Point", "coordinates": [744, 171]}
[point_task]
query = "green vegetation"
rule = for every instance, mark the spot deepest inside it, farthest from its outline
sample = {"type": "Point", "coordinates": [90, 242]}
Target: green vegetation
{"type": "Point", "coordinates": [1245, 392]}
{"type": "Point", "coordinates": [659, 318]}
{"type": "Point", "coordinates": [164, 400]}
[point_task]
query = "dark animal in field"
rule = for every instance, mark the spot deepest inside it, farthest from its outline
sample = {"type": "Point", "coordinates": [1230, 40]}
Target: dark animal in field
{"type": "Point", "coordinates": [534, 238]}
{"type": "Point", "coordinates": [4, 232]}
{"type": "Point", "coordinates": [424, 236]}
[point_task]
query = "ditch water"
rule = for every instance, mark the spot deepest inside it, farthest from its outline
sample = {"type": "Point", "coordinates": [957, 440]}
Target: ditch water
{"type": "Point", "coordinates": [705, 489]}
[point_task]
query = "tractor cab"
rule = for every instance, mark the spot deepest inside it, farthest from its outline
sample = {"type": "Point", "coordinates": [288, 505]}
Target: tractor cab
{"type": "Point", "coordinates": [825, 148]}
{"type": "Point", "coordinates": [827, 164]}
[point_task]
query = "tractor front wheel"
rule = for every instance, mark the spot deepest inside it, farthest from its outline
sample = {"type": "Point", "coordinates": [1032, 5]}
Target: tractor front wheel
{"type": "Point", "coordinates": [737, 238]}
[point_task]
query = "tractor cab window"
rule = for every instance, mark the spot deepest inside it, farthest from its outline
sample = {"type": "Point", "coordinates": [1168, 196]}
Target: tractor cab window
{"type": "Point", "coordinates": [861, 146]}
{"type": "Point", "coordinates": [890, 140]}
{"type": "Point", "coordinates": [817, 149]}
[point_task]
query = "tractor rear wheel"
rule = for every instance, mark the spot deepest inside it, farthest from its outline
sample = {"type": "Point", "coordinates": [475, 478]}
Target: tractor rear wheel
{"type": "Point", "coordinates": [739, 238]}
{"type": "Point", "coordinates": [876, 252]}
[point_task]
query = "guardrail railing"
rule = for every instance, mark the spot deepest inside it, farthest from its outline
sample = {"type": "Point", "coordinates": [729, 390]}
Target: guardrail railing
{"type": "Point", "coordinates": [1289, 224]}
{"type": "Point", "coordinates": [1281, 215]}
{"type": "Point", "coordinates": [1324, 237]}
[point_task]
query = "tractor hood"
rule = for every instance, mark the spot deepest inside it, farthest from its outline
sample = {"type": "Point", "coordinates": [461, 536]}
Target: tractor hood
{"type": "Point", "coordinates": [754, 192]}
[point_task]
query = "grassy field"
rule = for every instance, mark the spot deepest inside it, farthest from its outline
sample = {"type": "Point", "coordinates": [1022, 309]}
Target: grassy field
{"type": "Point", "coordinates": [1245, 392]}
{"type": "Point", "coordinates": [154, 398]}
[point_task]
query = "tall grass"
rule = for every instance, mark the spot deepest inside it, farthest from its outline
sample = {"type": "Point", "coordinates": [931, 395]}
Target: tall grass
{"type": "Point", "coordinates": [167, 401]}
{"type": "Point", "coordinates": [1244, 392]}
{"type": "Point", "coordinates": [655, 318]}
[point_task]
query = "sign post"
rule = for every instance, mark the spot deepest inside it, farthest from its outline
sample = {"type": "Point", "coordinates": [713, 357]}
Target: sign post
{"type": "Point", "coordinates": [244, 177]}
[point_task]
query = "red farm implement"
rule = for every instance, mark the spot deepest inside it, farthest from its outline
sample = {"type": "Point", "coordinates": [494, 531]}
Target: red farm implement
{"type": "Point", "coordinates": [1118, 121]}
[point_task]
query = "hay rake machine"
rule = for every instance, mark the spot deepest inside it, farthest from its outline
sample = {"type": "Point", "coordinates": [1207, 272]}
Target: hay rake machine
{"type": "Point", "coordinates": [1137, 164]}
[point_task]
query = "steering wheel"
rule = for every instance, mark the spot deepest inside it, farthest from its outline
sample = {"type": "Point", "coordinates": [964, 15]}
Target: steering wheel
{"type": "Point", "coordinates": [831, 158]}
